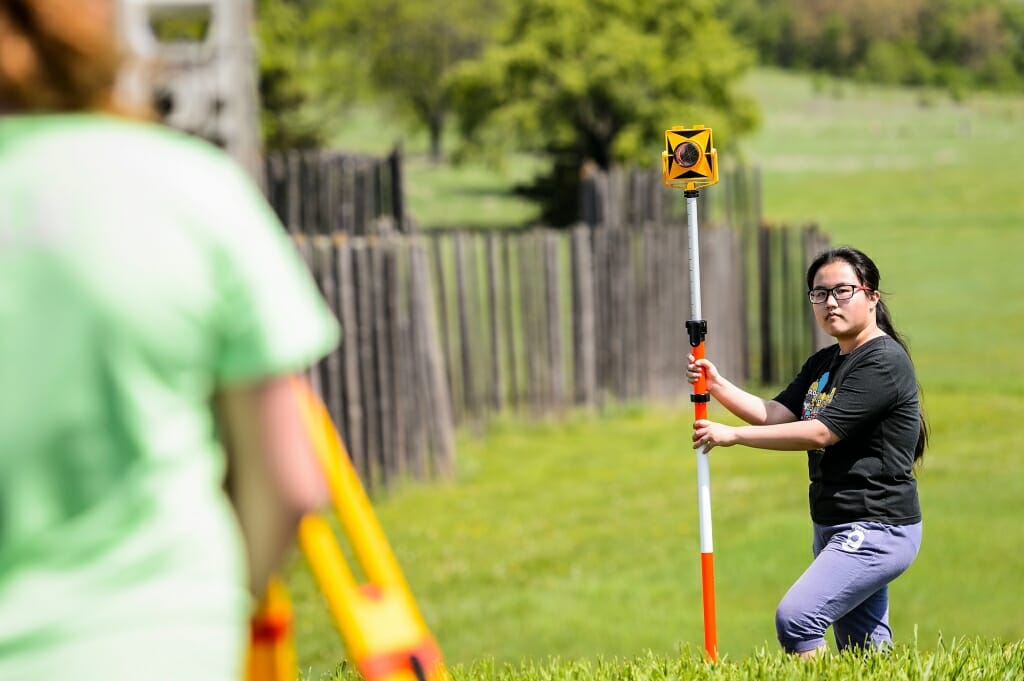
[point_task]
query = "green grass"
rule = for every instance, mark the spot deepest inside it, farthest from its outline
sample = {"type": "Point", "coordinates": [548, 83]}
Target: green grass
{"type": "Point", "coordinates": [973, 659]}
{"type": "Point", "coordinates": [578, 538]}
{"type": "Point", "coordinates": [472, 194]}
{"type": "Point", "coordinates": [568, 548]}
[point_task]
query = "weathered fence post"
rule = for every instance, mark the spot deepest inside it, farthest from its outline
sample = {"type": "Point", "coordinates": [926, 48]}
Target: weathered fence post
{"type": "Point", "coordinates": [324, 259]}
{"type": "Point", "coordinates": [497, 385]}
{"type": "Point", "coordinates": [584, 360]}
{"type": "Point", "coordinates": [368, 375]}
{"type": "Point", "coordinates": [814, 243]}
{"type": "Point", "coordinates": [348, 315]}
{"type": "Point", "coordinates": [431, 367]}
{"type": "Point", "coordinates": [468, 397]}
{"type": "Point", "coordinates": [443, 319]}
{"type": "Point", "coordinates": [510, 328]}
{"type": "Point", "coordinates": [384, 356]}
{"type": "Point", "coordinates": [764, 287]}
{"type": "Point", "coordinates": [553, 301]}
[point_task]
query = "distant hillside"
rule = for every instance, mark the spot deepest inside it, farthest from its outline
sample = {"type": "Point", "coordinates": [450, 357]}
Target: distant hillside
{"type": "Point", "coordinates": [955, 44]}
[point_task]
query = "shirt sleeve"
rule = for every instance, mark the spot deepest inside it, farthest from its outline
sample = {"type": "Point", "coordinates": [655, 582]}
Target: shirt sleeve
{"type": "Point", "coordinates": [271, 317]}
{"type": "Point", "coordinates": [864, 395]}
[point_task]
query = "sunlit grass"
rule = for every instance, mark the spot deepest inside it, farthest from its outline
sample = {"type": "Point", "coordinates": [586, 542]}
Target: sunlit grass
{"type": "Point", "coordinates": [972, 659]}
{"type": "Point", "coordinates": [474, 194]}
{"type": "Point", "coordinates": [578, 538]}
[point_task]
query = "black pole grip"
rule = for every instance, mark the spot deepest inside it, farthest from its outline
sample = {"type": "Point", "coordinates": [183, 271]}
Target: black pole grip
{"type": "Point", "coordinates": [698, 330]}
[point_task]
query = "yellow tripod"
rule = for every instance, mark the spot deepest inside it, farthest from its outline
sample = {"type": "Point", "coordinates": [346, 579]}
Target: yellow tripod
{"type": "Point", "coordinates": [383, 630]}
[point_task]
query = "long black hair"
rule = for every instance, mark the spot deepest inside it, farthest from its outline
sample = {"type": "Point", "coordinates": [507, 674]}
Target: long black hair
{"type": "Point", "coordinates": [867, 273]}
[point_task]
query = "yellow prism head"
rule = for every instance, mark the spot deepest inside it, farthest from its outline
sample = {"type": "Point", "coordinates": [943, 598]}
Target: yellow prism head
{"type": "Point", "coordinates": [690, 160]}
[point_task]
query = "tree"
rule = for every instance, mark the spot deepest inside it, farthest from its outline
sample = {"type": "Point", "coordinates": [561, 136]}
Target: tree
{"type": "Point", "coordinates": [601, 80]}
{"type": "Point", "coordinates": [409, 46]}
{"type": "Point", "coordinates": [279, 28]}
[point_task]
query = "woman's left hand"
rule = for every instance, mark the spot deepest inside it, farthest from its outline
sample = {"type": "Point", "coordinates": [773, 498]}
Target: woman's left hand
{"type": "Point", "coordinates": [709, 434]}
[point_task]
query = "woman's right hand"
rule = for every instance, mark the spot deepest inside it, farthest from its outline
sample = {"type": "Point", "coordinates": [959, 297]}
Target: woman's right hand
{"type": "Point", "coordinates": [695, 366]}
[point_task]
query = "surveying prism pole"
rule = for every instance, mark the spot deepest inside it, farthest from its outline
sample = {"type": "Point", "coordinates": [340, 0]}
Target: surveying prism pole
{"type": "Point", "coordinates": [689, 163]}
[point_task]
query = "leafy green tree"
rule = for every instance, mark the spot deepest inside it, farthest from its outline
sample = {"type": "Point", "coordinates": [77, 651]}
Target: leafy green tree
{"type": "Point", "coordinates": [281, 33]}
{"type": "Point", "coordinates": [600, 81]}
{"type": "Point", "coordinates": [408, 47]}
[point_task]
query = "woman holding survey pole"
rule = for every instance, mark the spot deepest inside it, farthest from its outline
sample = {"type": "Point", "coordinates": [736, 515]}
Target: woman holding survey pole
{"type": "Point", "coordinates": [854, 408]}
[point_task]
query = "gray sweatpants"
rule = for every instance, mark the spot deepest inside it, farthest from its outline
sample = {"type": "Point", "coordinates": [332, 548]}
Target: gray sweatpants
{"type": "Point", "coordinates": [846, 586]}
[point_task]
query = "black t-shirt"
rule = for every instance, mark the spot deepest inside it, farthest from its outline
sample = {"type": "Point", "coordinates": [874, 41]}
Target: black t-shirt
{"type": "Point", "coordinates": [869, 399]}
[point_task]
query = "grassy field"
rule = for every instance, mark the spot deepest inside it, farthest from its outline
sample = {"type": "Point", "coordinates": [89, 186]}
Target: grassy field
{"type": "Point", "coordinates": [576, 537]}
{"type": "Point", "coordinates": [931, 191]}
{"type": "Point", "coordinates": [470, 195]}
{"type": "Point", "coordinates": [974, 659]}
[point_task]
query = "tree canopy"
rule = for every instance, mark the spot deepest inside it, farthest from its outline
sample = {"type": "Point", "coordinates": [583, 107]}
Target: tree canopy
{"type": "Point", "coordinates": [279, 37]}
{"type": "Point", "coordinates": [599, 81]}
{"type": "Point", "coordinates": [408, 48]}
{"type": "Point", "coordinates": [603, 79]}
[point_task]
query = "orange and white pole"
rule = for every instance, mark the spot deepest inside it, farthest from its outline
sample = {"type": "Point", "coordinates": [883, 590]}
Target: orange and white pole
{"type": "Point", "coordinates": [697, 329]}
{"type": "Point", "coordinates": [690, 162]}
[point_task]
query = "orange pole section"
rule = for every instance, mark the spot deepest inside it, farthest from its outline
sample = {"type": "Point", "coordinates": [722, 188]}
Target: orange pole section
{"type": "Point", "coordinates": [700, 409]}
{"type": "Point", "coordinates": [707, 582]}
{"type": "Point", "coordinates": [707, 559]}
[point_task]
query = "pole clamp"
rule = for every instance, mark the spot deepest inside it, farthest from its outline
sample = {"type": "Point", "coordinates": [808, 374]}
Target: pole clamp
{"type": "Point", "coordinates": [698, 330]}
{"type": "Point", "coordinates": [701, 397]}
{"type": "Point", "coordinates": [691, 193]}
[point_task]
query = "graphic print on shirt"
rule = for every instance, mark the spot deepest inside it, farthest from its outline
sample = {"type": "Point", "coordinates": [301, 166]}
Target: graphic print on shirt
{"type": "Point", "coordinates": [816, 399]}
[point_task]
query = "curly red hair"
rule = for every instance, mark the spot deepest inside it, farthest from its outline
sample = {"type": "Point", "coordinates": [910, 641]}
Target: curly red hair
{"type": "Point", "coordinates": [58, 55]}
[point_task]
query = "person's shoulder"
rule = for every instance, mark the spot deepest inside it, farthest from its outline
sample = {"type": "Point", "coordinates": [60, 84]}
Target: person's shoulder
{"type": "Point", "coordinates": [157, 145]}
{"type": "Point", "coordinates": [887, 346]}
{"type": "Point", "coordinates": [103, 145]}
{"type": "Point", "coordinates": [167, 167]}
{"type": "Point", "coordinates": [144, 166]}
{"type": "Point", "coordinates": [886, 351]}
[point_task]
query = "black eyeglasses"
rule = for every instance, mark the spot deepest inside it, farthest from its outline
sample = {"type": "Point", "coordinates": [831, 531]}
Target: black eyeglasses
{"type": "Point", "coordinates": [817, 296]}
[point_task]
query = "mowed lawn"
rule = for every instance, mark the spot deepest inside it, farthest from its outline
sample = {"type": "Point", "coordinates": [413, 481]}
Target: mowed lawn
{"type": "Point", "coordinates": [577, 537]}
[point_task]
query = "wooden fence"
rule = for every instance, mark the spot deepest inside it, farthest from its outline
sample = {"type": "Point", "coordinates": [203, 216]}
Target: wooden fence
{"type": "Point", "coordinates": [636, 196]}
{"type": "Point", "coordinates": [444, 327]}
{"type": "Point", "coordinates": [770, 264]}
{"type": "Point", "coordinates": [544, 319]}
{"type": "Point", "coordinates": [385, 385]}
{"type": "Point", "coordinates": [329, 192]}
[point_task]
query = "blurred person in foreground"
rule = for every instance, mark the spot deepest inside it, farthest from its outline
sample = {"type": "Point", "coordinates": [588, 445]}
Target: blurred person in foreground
{"type": "Point", "coordinates": [153, 316]}
{"type": "Point", "coordinates": [855, 409]}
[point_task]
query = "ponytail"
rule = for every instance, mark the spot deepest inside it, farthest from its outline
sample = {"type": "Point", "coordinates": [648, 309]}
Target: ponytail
{"type": "Point", "coordinates": [884, 320]}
